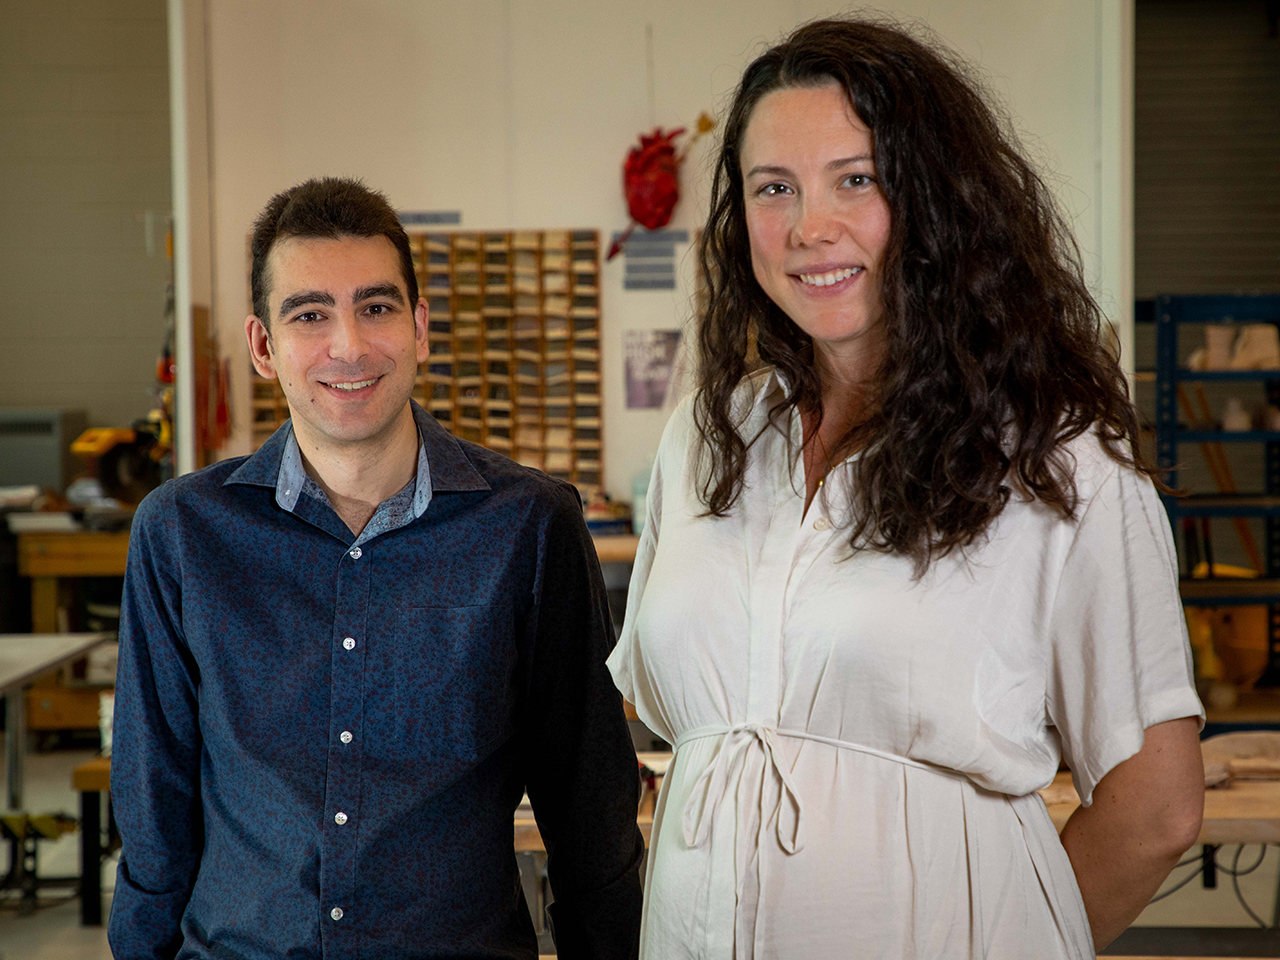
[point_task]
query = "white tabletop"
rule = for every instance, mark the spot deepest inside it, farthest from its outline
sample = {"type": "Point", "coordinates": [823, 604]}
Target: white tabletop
{"type": "Point", "coordinates": [24, 656]}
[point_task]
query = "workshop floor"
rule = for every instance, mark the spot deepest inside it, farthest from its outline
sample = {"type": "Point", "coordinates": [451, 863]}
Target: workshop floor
{"type": "Point", "coordinates": [54, 931]}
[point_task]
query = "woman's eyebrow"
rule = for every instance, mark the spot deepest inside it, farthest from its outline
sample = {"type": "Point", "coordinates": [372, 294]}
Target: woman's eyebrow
{"type": "Point", "coordinates": [769, 169]}
{"type": "Point", "coordinates": [845, 161]}
{"type": "Point", "coordinates": [773, 170]}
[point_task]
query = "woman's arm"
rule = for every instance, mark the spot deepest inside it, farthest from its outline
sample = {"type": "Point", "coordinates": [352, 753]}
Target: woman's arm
{"type": "Point", "coordinates": [1145, 814]}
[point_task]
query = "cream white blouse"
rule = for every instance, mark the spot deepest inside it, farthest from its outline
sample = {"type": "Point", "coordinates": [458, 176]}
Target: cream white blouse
{"type": "Point", "coordinates": [856, 752]}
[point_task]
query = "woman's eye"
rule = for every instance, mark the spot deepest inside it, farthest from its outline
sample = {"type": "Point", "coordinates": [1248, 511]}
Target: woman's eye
{"type": "Point", "coordinates": [774, 190]}
{"type": "Point", "coordinates": [859, 179]}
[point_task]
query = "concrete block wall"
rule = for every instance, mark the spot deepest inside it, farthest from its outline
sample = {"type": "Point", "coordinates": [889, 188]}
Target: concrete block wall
{"type": "Point", "coordinates": [84, 204]}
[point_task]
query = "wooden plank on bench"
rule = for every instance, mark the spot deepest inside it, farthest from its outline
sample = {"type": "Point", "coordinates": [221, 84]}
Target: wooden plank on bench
{"type": "Point", "coordinates": [92, 775]}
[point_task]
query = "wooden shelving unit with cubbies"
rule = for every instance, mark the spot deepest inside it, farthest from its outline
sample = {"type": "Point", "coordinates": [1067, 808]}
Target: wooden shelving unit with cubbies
{"type": "Point", "coordinates": [515, 347]}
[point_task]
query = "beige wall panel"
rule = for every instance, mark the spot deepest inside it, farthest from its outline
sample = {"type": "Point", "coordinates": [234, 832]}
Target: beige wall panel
{"type": "Point", "coordinates": [520, 114]}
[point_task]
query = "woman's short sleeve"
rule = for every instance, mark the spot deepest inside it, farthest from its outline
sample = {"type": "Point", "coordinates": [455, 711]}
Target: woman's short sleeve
{"type": "Point", "coordinates": [1120, 658]}
{"type": "Point", "coordinates": [624, 662]}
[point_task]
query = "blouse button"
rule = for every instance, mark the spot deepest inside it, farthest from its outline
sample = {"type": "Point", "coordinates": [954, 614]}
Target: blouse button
{"type": "Point", "coordinates": [821, 523]}
{"type": "Point", "coordinates": [355, 553]}
{"type": "Point", "coordinates": [336, 913]}
{"type": "Point", "coordinates": [339, 818]}
{"type": "Point", "coordinates": [349, 643]}
{"type": "Point", "coordinates": [345, 736]}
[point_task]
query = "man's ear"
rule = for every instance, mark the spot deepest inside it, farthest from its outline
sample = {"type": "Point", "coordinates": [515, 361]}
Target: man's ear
{"type": "Point", "coordinates": [420, 328]}
{"type": "Point", "coordinates": [259, 338]}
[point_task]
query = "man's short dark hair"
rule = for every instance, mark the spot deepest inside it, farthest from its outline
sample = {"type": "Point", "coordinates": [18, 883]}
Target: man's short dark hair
{"type": "Point", "coordinates": [327, 208]}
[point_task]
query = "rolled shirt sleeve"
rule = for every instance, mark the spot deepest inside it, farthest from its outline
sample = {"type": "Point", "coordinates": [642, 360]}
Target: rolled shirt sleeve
{"type": "Point", "coordinates": [1120, 658]}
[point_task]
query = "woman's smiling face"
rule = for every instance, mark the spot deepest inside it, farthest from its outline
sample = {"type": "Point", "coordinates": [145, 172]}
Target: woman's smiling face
{"type": "Point", "coordinates": [817, 220]}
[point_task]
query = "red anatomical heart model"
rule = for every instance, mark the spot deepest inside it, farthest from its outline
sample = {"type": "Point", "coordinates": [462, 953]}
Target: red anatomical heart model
{"type": "Point", "coordinates": [650, 178]}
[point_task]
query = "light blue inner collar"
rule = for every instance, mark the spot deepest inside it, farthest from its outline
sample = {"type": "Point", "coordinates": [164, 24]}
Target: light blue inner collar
{"type": "Point", "coordinates": [292, 482]}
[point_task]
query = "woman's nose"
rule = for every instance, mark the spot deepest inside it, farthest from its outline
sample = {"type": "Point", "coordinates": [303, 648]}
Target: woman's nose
{"type": "Point", "coordinates": [813, 224]}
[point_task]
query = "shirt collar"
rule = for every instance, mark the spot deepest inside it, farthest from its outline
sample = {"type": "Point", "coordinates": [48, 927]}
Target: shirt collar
{"type": "Point", "coordinates": [764, 387]}
{"type": "Point", "coordinates": [443, 465]}
{"type": "Point", "coordinates": [292, 477]}
{"type": "Point", "coordinates": [769, 384]}
{"type": "Point", "coordinates": [766, 382]}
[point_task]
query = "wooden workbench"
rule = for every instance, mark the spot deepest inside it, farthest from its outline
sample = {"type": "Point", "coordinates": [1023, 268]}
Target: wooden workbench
{"type": "Point", "coordinates": [46, 556]}
{"type": "Point", "coordinates": [616, 549]}
{"type": "Point", "coordinates": [528, 839]}
{"type": "Point", "coordinates": [1254, 706]}
{"type": "Point", "coordinates": [1246, 811]}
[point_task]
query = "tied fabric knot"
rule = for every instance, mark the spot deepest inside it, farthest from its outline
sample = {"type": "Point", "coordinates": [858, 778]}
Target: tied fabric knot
{"type": "Point", "coordinates": [712, 786]}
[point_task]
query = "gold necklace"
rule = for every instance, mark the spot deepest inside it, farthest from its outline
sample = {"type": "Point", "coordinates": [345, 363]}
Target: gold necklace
{"type": "Point", "coordinates": [826, 458]}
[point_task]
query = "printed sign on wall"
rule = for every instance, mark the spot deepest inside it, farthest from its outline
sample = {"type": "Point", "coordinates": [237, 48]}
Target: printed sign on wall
{"type": "Point", "coordinates": [650, 259]}
{"type": "Point", "coordinates": [650, 357]}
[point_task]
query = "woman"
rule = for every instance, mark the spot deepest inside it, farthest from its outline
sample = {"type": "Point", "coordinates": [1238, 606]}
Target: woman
{"type": "Point", "coordinates": [904, 564]}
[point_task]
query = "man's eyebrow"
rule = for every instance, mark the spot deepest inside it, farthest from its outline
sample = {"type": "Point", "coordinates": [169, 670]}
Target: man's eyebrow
{"type": "Point", "coordinates": [776, 171]}
{"type": "Point", "coordinates": [295, 300]}
{"type": "Point", "coordinates": [388, 290]}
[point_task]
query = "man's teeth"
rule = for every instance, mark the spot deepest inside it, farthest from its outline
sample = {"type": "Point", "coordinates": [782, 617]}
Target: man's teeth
{"type": "Point", "coordinates": [358, 385]}
{"type": "Point", "coordinates": [827, 279]}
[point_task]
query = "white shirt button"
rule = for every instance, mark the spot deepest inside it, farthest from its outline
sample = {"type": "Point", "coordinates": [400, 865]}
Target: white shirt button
{"type": "Point", "coordinates": [345, 736]}
{"type": "Point", "coordinates": [355, 553]}
{"type": "Point", "coordinates": [336, 913]}
{"type": "Point", "coordinates": [339, 818]}
{"type": "Point", "coordinates": [822, 523]}
{"type": "Point", "coordinates": [349, 643]}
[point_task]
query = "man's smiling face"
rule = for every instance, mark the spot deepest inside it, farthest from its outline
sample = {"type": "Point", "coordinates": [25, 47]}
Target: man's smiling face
{"type": "Point", "coordinates": [344, 341]}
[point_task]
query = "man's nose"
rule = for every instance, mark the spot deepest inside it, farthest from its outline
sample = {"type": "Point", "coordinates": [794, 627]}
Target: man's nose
{"type": "Point", "coordinates": [347, 341]}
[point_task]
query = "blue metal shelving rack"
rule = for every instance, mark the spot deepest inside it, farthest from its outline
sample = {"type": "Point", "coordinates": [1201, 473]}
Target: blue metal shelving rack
{"type": "Point", "coordinates": [1170, 311]}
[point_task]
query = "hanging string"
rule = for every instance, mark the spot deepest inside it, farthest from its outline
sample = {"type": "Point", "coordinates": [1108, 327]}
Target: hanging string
{"type": "Point", "coordinates": [648, 72]}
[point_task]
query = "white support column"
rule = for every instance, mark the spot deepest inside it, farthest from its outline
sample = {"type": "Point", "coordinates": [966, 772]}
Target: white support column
{"type": "Point", "coordinates": [1115, 168]}
{"type": "Point", "coordinates": [183, 387]}
{"type": "Point", "coordinates": [189, 163]}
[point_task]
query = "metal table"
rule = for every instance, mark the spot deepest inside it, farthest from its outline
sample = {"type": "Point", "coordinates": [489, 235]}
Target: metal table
{"type": "Point", "coordinates": [23, 657]}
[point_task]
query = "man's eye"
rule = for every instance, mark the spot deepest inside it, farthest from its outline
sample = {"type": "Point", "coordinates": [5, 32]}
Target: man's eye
{"type": "Point", "coordinates": [378, 309]}
{"type": "Point", "coordinates": [309, 317]}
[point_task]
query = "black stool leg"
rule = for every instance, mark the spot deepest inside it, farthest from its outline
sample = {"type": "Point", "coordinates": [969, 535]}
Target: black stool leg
{"type": "Point", "coordinates": [91, 859]}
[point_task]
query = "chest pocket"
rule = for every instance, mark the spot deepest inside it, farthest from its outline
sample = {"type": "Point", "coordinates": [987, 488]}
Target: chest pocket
{"type": "Point", "coordinates": [453, 682]}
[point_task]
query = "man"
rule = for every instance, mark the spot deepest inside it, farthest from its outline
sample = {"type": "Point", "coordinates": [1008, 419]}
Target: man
{"type": "Point", "coordinates": [345, 658]}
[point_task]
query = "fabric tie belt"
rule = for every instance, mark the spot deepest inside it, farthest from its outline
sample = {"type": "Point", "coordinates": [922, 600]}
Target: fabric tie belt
{"type": "Point", "coordinates": [713, 785]}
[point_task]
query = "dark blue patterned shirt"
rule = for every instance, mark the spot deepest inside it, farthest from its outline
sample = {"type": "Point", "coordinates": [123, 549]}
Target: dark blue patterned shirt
{"type": "Point", "coordinates": [320, 741]}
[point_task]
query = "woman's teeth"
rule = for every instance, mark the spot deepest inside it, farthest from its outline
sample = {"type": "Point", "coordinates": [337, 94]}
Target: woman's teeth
{"type": "Point", "coordinates": [358, 385]}
{"type": "Point", "coordinates": [827, 279]}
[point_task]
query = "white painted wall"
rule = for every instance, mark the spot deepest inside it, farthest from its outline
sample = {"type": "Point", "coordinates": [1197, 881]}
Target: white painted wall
{"type": "Point", "coordinates": [519, 113]}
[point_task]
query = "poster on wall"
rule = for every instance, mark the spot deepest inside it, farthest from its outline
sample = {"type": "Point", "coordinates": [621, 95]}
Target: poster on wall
{"type": "Point", "coordinates": [650, 358]}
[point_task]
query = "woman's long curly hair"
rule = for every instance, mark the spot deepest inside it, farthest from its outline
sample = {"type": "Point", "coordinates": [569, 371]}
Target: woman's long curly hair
{"type": "Point", "coordinates": [995, 355]}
